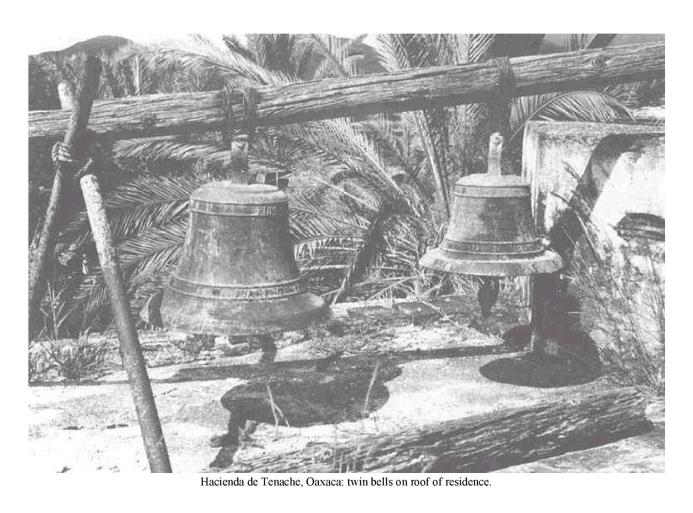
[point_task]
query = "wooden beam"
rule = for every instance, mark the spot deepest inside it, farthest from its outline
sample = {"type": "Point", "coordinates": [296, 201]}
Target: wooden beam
{"type": "Point", "coordinates": [414, 89]}
{"type": "Point", "coordinates": [476, 444]}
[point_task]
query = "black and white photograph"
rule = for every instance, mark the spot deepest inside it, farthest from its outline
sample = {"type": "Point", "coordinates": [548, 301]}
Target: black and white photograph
{"type": "Point", "coordinates": [308, 253]}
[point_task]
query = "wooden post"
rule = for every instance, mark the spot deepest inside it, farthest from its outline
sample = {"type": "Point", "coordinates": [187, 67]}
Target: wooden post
{"type": "Point", "coordinates": [38, 259]}
{"type": "Point", "coordinates": [130, 350]}
{"type": "Point", "coordinates": [543, 289]}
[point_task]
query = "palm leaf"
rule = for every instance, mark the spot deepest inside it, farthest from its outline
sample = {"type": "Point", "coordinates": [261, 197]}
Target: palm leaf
{"type": "Point", "coordinates": [168, 148]}
{"type": "Point", "coordinates": [200, 56]}
{"type": "Point", "coordinates": [139, 205]}
{"type": "Point", "coordinates": [365, 254]}
{"type": "Point", "coordinates": [403, 51]}
{"type": "Point", "coordinates": [572, 106]}
{"type": "Point", "coordinates": [149, 253]}
{"type": "Point", "coordinates": [338, 56]}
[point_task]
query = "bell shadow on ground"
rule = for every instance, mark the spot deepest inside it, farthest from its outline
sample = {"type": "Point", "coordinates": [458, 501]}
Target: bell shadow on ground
{"type": "Point", "coordinates": [571, 359]}
{"type": "Point", "coordinates": [303, 397]}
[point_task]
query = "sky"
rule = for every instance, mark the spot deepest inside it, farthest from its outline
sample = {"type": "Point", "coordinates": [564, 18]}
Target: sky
{"type": "Point", "coordinates": [55, 41]}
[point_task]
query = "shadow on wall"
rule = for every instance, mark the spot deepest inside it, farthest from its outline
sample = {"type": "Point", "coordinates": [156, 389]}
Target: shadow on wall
{"type": "Point", "coordinates": [570, 225]}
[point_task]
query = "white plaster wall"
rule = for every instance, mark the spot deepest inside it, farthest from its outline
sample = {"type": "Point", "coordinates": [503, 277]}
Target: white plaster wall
{"type": "Point", "coordinates": [556, 156]}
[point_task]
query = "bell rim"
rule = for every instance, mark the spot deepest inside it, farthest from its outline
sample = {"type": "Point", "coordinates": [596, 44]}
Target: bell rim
{"type": "Point", "coordinates": [439, 259]}
{"type": "Point", "coordinates": [250, 317]}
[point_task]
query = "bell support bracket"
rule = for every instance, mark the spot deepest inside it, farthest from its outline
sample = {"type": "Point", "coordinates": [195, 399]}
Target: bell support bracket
{"type": "Point", "coordinates": [240, 135]}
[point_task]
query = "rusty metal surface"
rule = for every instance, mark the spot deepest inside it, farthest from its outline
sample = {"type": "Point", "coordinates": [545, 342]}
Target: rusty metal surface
{"type": "Point", "coordinates": [491, 231]}
{"type": "Point", "coordinates": [237, 273]}
{"type": "Point", "coordinates": [441, 260]}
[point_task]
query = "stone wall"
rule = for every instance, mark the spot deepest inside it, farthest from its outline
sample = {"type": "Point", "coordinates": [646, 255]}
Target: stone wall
{"type": "Point", "coordinates": [598, 195]}
{"type": "Point", "coordinates": [605, 171]}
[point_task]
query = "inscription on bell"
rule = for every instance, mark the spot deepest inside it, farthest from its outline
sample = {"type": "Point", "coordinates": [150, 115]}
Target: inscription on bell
{"type": "Point", "coordinates": [267, 210]}
{"type": "Point", "coordinates": [261, 292]}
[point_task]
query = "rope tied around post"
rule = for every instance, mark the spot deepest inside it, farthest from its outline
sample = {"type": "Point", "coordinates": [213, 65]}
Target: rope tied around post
{"type": "Point", "coordinates": [81, 164]}
{"type": "Point", "coordinates": [506, 78]}
{"type": "Point", "coordinates": [240, 135]}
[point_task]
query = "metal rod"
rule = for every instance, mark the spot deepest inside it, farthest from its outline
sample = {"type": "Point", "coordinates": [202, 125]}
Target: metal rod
{"type": "Point", "coordinates": [130, 350]}
{"type": "Point", "coordinates": [81, 109]}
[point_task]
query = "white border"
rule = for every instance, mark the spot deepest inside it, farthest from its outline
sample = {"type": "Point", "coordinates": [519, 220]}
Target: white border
{"type": "Point", "coordinates": [58, 24]}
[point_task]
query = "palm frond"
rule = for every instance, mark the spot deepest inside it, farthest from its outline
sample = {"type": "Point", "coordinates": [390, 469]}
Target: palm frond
{"type": "Point", "coordinates": [402, 51]}
{"type": "Point", "coordinates": [169, 148]}
{"type": "Point", "coordinates": [338, 56]}
{"type": "Point", "coordinates": [137, 206]}
{"type": "Point", "coordinates": [151, 252]}
{"type": "Point", "coordinates": [572, 106]}
{"type": "Point", "coordinates": [200, 56]}
{"type": "Point", "coordinates": [340, 143]}
{"type": "Point", "coordinates": [366, 253]}
{"type": "Point", "coordinates": [233, 43]}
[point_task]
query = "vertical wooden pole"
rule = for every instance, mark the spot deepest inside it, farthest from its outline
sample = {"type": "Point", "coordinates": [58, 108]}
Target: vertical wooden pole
{"type": "Point", "coordinates": [81, 109]}
{"type": "Point", "coordinates": [130, 350]}
{"type": "Point", "coordinates": [542, 290]}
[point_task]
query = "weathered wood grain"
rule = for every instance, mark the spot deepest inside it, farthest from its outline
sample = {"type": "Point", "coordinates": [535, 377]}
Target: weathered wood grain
{"type": "Point", "coordinates": [414, 89]}
{"type": "Point", "coordinates": [476, 444]}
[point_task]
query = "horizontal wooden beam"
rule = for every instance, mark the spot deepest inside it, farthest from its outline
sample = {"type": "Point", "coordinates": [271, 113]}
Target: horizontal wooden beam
{"type": "Point", "coordinates": [163, 114]}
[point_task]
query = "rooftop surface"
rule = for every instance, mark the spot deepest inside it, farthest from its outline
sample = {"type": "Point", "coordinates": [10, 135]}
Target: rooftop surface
{"type": "Point", "coordinates": [374, 369]}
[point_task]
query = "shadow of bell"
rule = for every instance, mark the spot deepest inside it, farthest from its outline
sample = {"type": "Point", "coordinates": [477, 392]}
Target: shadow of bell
{"type": "Point", "coordinates": [571, 359]}
{"type": "Point", "coordinates": [302, 397]}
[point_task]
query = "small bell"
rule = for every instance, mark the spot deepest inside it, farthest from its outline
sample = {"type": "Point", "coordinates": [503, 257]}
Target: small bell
{"type": "Point", "coordinates": [491, 230]}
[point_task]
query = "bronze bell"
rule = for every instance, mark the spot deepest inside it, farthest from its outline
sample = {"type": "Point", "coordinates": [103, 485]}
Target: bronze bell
{"type": "Point", "coordinates": [237, 274]}
{"type": "Point", "coordinates": [491, 231]}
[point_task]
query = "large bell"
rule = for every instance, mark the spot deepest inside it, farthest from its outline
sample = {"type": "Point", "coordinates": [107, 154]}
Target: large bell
{"type": "Point", "coordinates": [491, 231]}
{"type": "Point", "coordinates": [237, 274]}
